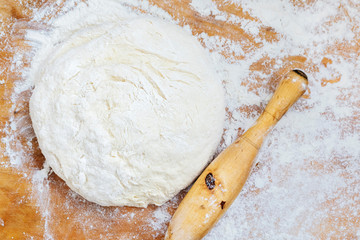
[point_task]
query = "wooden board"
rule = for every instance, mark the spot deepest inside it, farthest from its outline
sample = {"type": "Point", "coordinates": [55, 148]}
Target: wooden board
{"type": "Point", "coordinates": [19, 211]}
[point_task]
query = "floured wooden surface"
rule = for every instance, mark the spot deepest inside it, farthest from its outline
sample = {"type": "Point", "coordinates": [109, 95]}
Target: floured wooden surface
{"type": "Point", "coordinates": [305, 183]}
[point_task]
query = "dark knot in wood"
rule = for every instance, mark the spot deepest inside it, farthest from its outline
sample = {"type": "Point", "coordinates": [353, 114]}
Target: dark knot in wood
{"type": "Point", "coordinates": [210, 181]}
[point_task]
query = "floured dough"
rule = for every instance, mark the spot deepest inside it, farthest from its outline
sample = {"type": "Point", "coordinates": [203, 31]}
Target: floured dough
{"type": "Point", "coordinates": [128, 113]}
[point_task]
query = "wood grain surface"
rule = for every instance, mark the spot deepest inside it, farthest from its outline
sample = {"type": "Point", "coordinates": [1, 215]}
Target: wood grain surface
{"type": "Point", "coordinates": [20, 213]}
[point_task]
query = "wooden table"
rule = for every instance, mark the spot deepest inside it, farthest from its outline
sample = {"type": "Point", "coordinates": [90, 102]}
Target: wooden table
{"type": "Point", "coordinates": [72, 217]}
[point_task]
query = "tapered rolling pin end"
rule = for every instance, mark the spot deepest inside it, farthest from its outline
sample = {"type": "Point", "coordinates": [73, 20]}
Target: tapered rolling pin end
{"type": "Point", "coordinates": [301, 73]}
{"type": "Point", "coordinates": [304, 78]}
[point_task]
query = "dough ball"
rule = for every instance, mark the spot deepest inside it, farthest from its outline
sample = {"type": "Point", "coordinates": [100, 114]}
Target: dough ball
{"type": "Point", "coordinates": [128, 113]}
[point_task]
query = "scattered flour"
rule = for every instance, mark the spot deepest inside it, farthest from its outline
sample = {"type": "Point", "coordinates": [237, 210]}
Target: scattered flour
{"type": "Point", "coordinates": [160, 217]}
{"type": "Point", "coordinates": [306, 180]}
{"type": "Point", "coordinates": [207, 8]}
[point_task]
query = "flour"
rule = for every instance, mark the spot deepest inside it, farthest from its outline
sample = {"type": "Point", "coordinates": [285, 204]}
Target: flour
{"type": "Point", "coordinates": [206, 8]}
{"type": "Point", "coordinates": [160, 217]}
{"type": "Point", "coordinates": [309, 164]}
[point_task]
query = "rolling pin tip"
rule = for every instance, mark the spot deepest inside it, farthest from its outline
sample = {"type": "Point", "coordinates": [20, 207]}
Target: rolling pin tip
{"type": "Point", "coordinates": [301, 73]}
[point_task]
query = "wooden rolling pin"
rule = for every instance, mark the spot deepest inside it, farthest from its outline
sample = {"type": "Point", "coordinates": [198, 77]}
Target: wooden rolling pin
{"type": "Point", "coordinates": [221, 182]}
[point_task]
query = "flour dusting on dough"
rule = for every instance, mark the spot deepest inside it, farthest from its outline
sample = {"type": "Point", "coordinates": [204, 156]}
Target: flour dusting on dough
{"type": "Point", "coordinates": [135, 106]}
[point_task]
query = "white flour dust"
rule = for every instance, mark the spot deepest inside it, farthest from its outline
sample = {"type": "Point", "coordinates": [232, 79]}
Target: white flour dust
{"type": "Point", "coordinates": [306, 180]}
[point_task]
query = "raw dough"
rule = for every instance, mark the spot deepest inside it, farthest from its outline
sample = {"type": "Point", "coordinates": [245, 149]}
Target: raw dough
{"type": "Point", "coordinates": [128, 113]}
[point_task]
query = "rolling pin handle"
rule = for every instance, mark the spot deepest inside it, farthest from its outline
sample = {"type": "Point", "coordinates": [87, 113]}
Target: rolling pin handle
{"type": "Point", "coordinates": [220, 183]}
